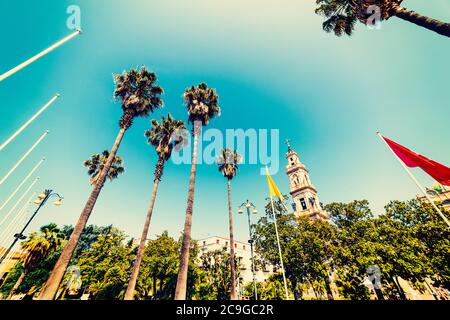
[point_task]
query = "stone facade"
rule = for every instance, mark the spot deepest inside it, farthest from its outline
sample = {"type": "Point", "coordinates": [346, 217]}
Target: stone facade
{"type": "Point", "coordinates": [243, 254]}
{"type": "Point", "coordinates": [303, 192]}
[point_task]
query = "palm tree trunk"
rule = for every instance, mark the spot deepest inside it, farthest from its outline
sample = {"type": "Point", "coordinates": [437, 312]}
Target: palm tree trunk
{"type": "Point", "coordinates": [129, 294]}
{"type": "Point", "coordinates": [16, 285]}
{"type": "Point", "coordinates": [435, 25]}
{"type": "Point", "coordinates": [180, 291]}
{"type": "Point", "coordinates": [233, 294]}
{"type": "Point", "coordinates": [51, 287]}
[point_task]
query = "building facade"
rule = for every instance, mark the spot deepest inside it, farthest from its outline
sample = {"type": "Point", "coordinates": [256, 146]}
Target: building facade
{"type": "Point", "coordinates": [439, 194]}
{"type": "Point", "coordinates": [243, 255]}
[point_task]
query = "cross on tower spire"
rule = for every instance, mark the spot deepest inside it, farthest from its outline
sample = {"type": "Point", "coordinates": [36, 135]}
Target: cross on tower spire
{"type": "Point", "coordinates": [288, 143]}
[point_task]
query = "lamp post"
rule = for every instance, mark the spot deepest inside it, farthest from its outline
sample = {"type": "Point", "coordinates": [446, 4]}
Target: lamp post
{"type": "Point", "coordinates": [249, 205]}
{"type": "Point", "coordinates": [41, 200]}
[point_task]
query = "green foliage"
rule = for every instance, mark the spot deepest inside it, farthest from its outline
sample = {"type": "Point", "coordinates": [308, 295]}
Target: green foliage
{"type": "Point", "coordinates": [214, 276]}
{"type": "Point", "coordinates": [11, 279]}
{"type": "Point", "coordinates": [202, 103]}
{"type": "Point", "coordinates": [89, 235]}
{"type": "Point", "coordinates": [105, 266]}
{"type": "Point", "coordinates": [306, 248]}
{"type": "Point", "coordinates": [228, 162]}
{"type": "Point", "coordinates": [139, 94]}
{"type": "Point", "coordinates": [97, 162]}
{"type": "Point", "coordinates": [271, 289]}
{"type": "Point", "coordinates": [159, 267]}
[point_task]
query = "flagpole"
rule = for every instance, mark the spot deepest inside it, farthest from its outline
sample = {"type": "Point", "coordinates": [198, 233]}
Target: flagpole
{"type": "Point", "coordinates": [39, 55]}
{"type": "Point", "coordinates": [22, 183]}
{"type": "Point", "coordinates": [279, 248]}
{"type": "Point", "coordinates": [24, 157]}
{"type": "Point", "coordinates": [416, 182]}
{"type": "Point", "coordinates": [18, 201]}
{"type": "Point", "coordinates": [16, 221]}
{"type": "Point", "coordinates": [26, 124]}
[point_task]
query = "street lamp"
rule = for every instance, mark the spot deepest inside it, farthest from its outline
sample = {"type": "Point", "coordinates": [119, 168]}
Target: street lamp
{"type": "Point", "coordinates": [249, 205]}
{"type": "Point", "coordinates": [41, 200]}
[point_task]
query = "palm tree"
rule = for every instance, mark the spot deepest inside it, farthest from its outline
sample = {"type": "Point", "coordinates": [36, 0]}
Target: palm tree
{"type": "Point", "coordinates": [202, 105]}
{"type": "Point", "coordinates": [342, 15]}
{"type": "Point", "coordinates": [164, 137]}
{"type": "Point", "coordinates": [97, 162]}
{"type": "Point", "coordinates": [139, 96]}
{"type": "Point", "coordinates": [228, 164]}
{"type": "Point", "coordinates": [38, 247]}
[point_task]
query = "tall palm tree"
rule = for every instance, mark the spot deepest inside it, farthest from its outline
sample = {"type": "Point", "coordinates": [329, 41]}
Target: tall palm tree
{"type": "Point", "coordinates": [228, 161]}
{"type": "Point", "coordinates": [97, 162]}
{"type": "Point", "coordinates": [342, 15]}
{"type": "Point", "coordinates": [139, 95]}
{"type": "Point", "coordinates": [38, 247]}
{"type": "Point", "coordinates": [164, 137]}
{"type": "Point", "coordinates": [202, 105]}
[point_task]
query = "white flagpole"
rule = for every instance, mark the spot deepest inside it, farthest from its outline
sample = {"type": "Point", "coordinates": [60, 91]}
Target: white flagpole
{"type": "Point", "coordinates": [24, 157]}
{"type": "Point", "coordinates": [39, 55]}
{"type": "Point", "coordinates": [16, 221]}
{"type": "Point", "coordinates": [18, 201]}
{"type": "Point", "coordinates": [416, 182]}
{"type": "Point", "coordinates": [22, 183]}
{"type": "Point", "coordinates": [279, 249]}
{"type": "Point", "coordinates": [26, 124]}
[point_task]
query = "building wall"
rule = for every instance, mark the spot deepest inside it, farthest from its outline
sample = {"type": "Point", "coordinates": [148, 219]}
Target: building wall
{"type": "Point", "coordinates": [242, 252]}
{"type": "Point", "coordinates": [8, 264]}
{"type": "Point", "coordinates": [442, 198]}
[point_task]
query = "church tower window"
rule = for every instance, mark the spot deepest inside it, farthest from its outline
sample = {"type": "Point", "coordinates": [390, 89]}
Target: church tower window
{"type": "Point", "coordinates": [303, 203]}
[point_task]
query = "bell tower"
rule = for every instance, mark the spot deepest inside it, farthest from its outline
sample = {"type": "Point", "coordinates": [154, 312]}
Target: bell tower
{"type": "Point", "coordinates": [303, 192]}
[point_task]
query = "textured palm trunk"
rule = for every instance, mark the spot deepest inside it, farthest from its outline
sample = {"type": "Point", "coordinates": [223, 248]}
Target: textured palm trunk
{"type": "Point", "coordinates": [233, 294]}
{"type": "Point", "coordinates": [180, 291]}
{"type": "Point", "coordinates": [51, 287]}
{"type": "Point", "coordinates": [16, 285]}
{"type": "Point", "coordinates": [435, 25]}
{"type": "Point", "coordinates": [129, 294]}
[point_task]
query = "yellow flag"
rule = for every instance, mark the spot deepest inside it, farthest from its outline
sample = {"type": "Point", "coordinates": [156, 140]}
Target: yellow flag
{"type": "Point", "coordinates": [273, 189]}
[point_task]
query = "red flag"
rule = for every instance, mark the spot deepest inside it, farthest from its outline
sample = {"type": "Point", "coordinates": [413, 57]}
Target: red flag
{"type": "Point", "coordinates": [438, 171]}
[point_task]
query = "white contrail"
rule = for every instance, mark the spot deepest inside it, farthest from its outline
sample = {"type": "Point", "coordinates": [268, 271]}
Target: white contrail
{"type": "Point", "coordinates": [26, 124]}
{"type": "Point", "coordinates": [23, 157]}
{"type": "Point", "coordinates": [39, 55]}
{"type": "Point", "coordinates": [22, 183]}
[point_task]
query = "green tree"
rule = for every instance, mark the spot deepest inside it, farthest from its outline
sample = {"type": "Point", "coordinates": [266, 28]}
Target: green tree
{"type": "Point", "coordinates": [202, 105]}
{"type": "Point", "coordinates": [89, 236]}
{"type": "Point", "coordinates": [105, 267]}
{"type": "Point", "coordinates": [266, 241]}
{"type": "Point", "coordinates": [139, 96]}
{"type": "Point", "coordinates": [158, 272]}
{"type": "Point", "coordinates": [355, 247]}
{"type": "Point", "coordinates": [342, 15]}
{"type": "Point", "coordinates": [228, 162]}
{"type": "Point", "coordinates": [425, 226]}
{"type": "Point", "coordinates": [97, 162]}
{"type": "Point", "coordinates": [164, 137]}
{"type": "Point", "coordinates": [214, 281]}
{"type": "Point", "coordinates": [38, 246]}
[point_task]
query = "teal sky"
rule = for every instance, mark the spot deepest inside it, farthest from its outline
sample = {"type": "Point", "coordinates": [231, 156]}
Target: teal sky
{"type": "Point", "coordinates": [273, 68]}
